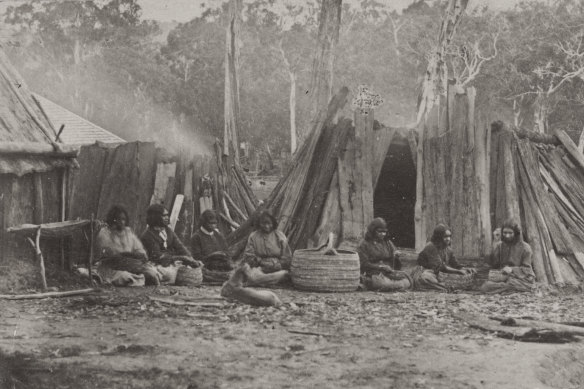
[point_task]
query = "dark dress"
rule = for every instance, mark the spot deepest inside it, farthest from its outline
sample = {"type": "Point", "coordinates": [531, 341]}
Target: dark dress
{"type": "Point", "coordinates": [375, 257]}
{"type": "Point", "coordinates": [165, 252]}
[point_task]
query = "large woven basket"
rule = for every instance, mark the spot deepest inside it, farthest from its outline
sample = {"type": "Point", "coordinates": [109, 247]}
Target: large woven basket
{"type": "Point", "coordinates": [187, 276]}
{"type": "Point", "coordinates": [315, 271]}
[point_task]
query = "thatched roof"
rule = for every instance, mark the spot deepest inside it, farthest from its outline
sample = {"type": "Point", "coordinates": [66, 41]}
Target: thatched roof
{"type": "Point", "coordinates": [26, 135]}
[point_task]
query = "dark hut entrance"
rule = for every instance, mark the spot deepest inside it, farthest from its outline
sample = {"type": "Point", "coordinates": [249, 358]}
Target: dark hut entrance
{"type": "Point", "coordinates": [395, 194]}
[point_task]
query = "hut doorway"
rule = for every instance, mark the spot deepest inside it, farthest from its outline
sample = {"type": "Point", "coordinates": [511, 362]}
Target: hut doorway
{"type": "Point", "coordinates": [395, 193]}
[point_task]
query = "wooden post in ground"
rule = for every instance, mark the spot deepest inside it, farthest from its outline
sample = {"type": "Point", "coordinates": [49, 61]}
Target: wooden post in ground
{"type": "Point", "coordinates": [356, 181]}
{"type": "Point", "coordinates": [91, 244]}
{"type": "Point", "coordinates": [36, 245]}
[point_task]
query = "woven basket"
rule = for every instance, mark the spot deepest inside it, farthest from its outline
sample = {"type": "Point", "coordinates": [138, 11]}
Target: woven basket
{"type": "Point", "coordinates": [316, 272]}
{"type": "Point", "coordinates": [187, 276]}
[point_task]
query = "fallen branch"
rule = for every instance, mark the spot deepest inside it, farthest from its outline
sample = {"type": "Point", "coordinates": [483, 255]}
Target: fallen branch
{"type": "Point", "coordinates": [538, 324]}
{"type": "Point", "coordinates": [47, 294]}
{"type": "Point", "coordinates": [522, 330]}
{"type": "Point", "coordinates": [189, 303]}
{"type": "Point", "coordinates": [309, 333]}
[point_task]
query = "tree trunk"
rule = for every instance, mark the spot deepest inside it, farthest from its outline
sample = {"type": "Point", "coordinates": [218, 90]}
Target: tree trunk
{"type": "Point", "coordinates": [292, 112]}
{"type": "Point", "coordinates": [434, 86]}
{"type": "Point", "coordinates": [231, 109]}
{"type": "Point", "coordinates": [322, 67]}
{"type": "Point", "coordinates": [540, 113]}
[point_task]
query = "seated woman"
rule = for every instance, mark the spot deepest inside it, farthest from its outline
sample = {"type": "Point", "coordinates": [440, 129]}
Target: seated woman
{"type": "Point", "coordinates": [513, 257]}
{"type": "Point", "coordinates": [380, 262]}
{"type": "Point", "coordinates": [119, 249]}
{"type": "Point", "coordinates": [438, 258]}
{"type": "Point", "coordinates": [267, 252]}
{"type": "Point", "coordinates": [161, 243]}
{"type": "Point", "coordinates": [209, 246]}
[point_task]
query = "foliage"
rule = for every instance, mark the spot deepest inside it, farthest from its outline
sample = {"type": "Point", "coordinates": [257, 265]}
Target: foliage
{"type": "Point", "coordinates": [101, 60]}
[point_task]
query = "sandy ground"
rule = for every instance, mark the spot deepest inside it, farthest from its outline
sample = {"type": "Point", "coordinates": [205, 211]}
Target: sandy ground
{"type": "Point", "coordinates": [120, 338]}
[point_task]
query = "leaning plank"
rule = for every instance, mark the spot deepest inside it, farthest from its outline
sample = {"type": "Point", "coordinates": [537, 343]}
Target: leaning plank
{"type": "Point", "coordinates": [176, 207]}
{"type": "Point", "coordinates": [570, 147]}
{"type": "Point", "coordinates": [47, 294]}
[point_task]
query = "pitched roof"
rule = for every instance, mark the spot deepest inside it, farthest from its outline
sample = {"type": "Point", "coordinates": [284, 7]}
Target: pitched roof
{"type": "Point", "coordinates": [24, 126]}
{"type": "Point", "coordinates": [21, 120]}
{"type": "Point", "coordinates": [77, 131]}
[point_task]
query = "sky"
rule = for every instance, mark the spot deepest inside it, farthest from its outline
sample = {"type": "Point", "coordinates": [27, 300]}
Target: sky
{"type": "Point", "coordinates": [185, 10]}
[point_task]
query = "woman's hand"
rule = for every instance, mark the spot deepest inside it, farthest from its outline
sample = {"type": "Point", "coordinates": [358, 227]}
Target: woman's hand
{"type": "Point", "coordinates": [507, 270]}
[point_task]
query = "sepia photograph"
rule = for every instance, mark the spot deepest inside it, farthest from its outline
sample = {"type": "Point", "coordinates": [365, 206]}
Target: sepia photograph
{"type": "Point", "coordinates": [266, 194]}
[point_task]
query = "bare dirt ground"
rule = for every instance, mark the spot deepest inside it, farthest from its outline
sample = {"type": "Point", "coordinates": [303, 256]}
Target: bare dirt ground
{"type": "Point", "coordinates": [121, 338]}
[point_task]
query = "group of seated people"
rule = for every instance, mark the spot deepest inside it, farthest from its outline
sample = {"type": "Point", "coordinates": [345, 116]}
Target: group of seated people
{"type": "Point", "coordinates": [267, 256]}
{"type": "Point", "coordinates": [438, 269]}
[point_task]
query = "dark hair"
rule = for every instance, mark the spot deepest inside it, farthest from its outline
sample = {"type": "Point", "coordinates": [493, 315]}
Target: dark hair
{"type": "Point", "coordinates": [438, 234]}
{"type": "Point", "coordinates": [376, 224]}
{"type": "Point", "coordinates": [113, 213]}
{"type": "Point", "coordinates": [154, 215]}
{"type": "Point", "coordinates": [207, 216]}
{"type": "Point", "coordinates": [265, 215]}
{"type": "Point", "coordinates": [512, 224]}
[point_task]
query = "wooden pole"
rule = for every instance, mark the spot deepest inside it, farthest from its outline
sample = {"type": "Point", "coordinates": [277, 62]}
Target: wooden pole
{"type": "Point", "coordinates": [38, 199]}
{"type": "Point", "coordinates": [91, 243]}
{"type": "Point", "coordinates": [36, 245]}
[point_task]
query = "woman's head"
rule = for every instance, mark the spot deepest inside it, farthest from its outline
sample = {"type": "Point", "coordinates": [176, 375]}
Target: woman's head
{"type": "Point", "coordinates": [441, 236]}
{"type": "Point", "coordinates": [157, 216]}
{"type": "Point", "coordinates": [510, 231]}
{"type": "Point", "coordinates": [265, 222]}
{"type": "Point", "coordinates": [117, 217]}
{"type": "Point", "coordinates": [209, 220]}
{"type": "Point", "coordinates": [377, 230]}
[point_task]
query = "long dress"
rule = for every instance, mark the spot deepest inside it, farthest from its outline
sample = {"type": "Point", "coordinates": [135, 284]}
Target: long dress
{"type": "Point", "coordinates": [430, 274]}
{"type": "Point", "coordinates": [122, 251]}
{"type": "Point", "coordinates": [375, 257]}
{"type": "Point", "coordinates": [517, 256]}
{"type": "Point", "coordinates": [164, 247]}
{"type": "Point", "coordinates": [267, 255]}
{"type": "Point", "coordinates": [211, 249]}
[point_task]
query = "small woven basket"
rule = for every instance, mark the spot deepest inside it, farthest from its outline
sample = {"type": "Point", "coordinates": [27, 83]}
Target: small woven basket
{"type": "Point", "coordinates": [316, 271]}
{"type": "Point", "coordinates": [187, 276]}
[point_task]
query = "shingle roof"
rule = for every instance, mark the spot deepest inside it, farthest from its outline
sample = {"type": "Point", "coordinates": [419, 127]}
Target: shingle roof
{"type": "Point", "coordinates": [77, 131]}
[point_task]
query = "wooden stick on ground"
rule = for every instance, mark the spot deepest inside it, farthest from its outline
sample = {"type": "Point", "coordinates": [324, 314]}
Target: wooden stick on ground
{"type": "Point", "coordinates": [189, 303]}
{"type": "Point", "coordinates": [47, 295]}
{"type": "Point", "coordinates": [309, 333]}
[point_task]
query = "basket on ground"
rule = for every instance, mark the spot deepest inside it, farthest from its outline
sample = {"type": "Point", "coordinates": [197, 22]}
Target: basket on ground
{"type": "Point", "coordinates": [187, 276]}
{"type": "Point", "coordinates": [316, 271]}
